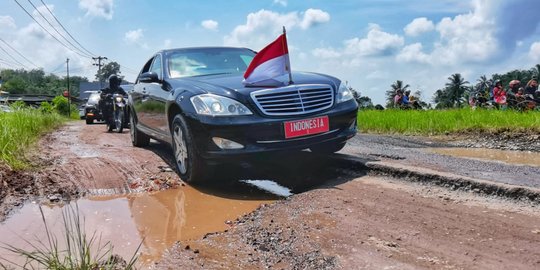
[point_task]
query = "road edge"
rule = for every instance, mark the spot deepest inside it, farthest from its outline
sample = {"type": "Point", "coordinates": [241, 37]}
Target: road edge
{"type": "Point", "coordinates": [452, 181]}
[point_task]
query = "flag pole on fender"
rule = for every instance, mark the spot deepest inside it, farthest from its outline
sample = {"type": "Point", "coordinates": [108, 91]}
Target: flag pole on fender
{"type": "Point", "coordinates": [288, 59]}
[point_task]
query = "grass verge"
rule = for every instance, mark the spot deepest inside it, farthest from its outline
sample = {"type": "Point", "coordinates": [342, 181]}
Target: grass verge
{"type": "Point", "coordinates": [77, 251]}
{"type": "Point", "coordinates": [437, 122]}
{"type": "Point", "coordinates": [19, 129]}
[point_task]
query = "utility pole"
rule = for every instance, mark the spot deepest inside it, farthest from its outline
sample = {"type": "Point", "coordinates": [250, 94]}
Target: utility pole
{"type": "Point", "coordinates": [99, 65]}
{"type": "Point", "coordinates": [69, 92]}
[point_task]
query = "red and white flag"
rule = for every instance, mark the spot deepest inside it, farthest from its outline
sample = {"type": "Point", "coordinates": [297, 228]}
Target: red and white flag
{"type": "Point", "coordinates": [269, 64]}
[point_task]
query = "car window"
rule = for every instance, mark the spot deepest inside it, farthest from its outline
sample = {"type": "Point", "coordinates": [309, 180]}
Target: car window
{"type": "Point", "coordinates": [93, 98]}
{"type": "Point", "coordinates": [156, 66]}
{"type": "Point", "coordinates": [199, 62]}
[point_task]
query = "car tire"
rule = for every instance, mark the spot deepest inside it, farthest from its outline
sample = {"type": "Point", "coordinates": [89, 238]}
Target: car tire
{"type": "Point", "coordinates": [191, 167]}
{"type": "Point", "coordinates": [327, 148]}
{"type": "Point", "coordinates": [138, 138]}
{"type": "Point", "coordinates": [89, 121]}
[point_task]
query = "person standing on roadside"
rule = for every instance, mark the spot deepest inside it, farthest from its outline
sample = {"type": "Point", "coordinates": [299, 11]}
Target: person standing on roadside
{"type": "Point", "coordinates": [398, 99]}
{"type": "Point", "coordinates": [499, 95]}
{"type": "Point", "coordinates": [531, 90]}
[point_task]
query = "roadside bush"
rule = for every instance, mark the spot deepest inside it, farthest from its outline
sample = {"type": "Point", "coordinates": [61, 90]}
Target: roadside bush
{"type": "Point", "coordinates": [61, 105]}
{"type": "Point", "coordinates": [18, 105]}
{"type": "Point", "coordinates": [46, 107]}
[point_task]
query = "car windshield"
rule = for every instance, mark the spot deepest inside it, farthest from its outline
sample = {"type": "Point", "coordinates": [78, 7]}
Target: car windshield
{"type": "Point", "coordinates": [208, 61]}
{"type": "Point", "coordinates": [94, 98]}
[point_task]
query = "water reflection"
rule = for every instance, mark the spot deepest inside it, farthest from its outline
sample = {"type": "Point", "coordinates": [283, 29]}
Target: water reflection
{"type": "Point", "coordinates": [158, 220]}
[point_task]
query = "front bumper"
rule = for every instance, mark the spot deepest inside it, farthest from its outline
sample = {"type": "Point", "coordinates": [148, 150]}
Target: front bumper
{"type": "Point", "coordinates": [266, 134]}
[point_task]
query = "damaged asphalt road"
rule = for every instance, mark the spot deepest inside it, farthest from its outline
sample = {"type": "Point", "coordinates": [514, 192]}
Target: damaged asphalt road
{"type": "Point", "coordinates": [384, 201]}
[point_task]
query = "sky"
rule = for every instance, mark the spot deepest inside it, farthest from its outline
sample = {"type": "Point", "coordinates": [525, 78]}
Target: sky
{"type": "Point", "coordinates": [367, 43]}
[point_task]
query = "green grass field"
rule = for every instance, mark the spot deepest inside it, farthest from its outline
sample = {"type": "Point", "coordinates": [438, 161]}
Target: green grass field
{"type": "Point", "coordinates": [19, 130]}
{"type": "Point", "coordinates": [436, 122]}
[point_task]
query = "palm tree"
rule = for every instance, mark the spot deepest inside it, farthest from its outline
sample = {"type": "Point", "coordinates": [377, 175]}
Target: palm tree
{"type": "Point", "coordinates": [536, 70]}
{"type": "Point", "coordinates": [440, 97]}
{"type": "Point", "coordinates": [392, 92]}
{"type": "Point", "coordinates": [455, 89]}
{"type": "Point", "coordinates": [482, 83]}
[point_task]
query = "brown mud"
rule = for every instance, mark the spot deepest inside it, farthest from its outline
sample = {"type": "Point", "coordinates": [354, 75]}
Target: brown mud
{"type": "Point", "coordinates": [339, 218]}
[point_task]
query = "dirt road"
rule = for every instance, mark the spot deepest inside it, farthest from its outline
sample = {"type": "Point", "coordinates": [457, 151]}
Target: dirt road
{"type": "Point", "coordinates": [343, 215]}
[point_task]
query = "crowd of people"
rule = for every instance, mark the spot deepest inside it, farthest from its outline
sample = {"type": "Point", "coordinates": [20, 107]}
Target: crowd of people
{"type": "Point", "coordinates": [515, 96]}
{"type": "Point", "coordinates": [404, 100]}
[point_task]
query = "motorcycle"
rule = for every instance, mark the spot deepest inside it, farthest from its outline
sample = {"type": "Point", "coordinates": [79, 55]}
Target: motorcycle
{"type": "Point", "coordinates": [115, 112]}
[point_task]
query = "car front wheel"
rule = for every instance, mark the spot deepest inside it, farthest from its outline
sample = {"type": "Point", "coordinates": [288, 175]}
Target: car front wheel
{"type": "Point", "coordinates": [138, 138]}
{"type": "Point", "coordinates": [191, 167]}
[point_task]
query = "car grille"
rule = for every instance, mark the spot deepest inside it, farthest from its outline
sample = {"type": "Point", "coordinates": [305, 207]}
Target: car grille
{"type": "Point", "coordinates": [294, 99]}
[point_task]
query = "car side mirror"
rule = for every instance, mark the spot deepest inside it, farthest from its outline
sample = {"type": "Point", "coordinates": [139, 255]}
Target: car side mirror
{"type": "Point", "coordinates": [149, 77]}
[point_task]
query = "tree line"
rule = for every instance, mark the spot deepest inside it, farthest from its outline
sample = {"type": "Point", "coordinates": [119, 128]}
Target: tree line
{"type": "Point", "coordinates": [36, 81]}
{"type": "Point", "coordinates": [456, 91]}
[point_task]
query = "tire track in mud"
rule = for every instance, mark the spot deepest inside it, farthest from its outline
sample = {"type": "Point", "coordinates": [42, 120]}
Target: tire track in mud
{"type": "Point", "coordinates": [101, 163]}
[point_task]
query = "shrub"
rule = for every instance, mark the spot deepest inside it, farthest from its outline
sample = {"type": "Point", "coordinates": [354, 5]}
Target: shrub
{"type": "Point", "coordinates": [46, 107]}
{"type": "Point", "coordinates": [61, 105]}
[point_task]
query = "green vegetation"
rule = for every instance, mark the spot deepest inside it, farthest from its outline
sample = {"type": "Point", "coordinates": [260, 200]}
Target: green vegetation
{"type": "Point", "coordinates": [76, 251]}
{"type": "Point", "coordinates": [434, 122]}
{"type": "Point", "coordinates": [21, 127]}
{"type": "Point", "coordinates": [35, 81]}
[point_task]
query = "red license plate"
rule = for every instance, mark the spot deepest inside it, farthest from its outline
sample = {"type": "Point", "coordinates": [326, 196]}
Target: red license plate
{"type": "Point", "coordinates": [306, 127]}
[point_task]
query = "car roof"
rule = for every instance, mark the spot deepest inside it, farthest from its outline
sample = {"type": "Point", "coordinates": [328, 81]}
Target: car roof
{"type": "Point", "coordinates": [201, 48]}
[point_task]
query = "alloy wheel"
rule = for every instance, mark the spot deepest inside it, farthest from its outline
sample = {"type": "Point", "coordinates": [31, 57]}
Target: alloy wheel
{"type": "Point", "coordinates": [181, 153]}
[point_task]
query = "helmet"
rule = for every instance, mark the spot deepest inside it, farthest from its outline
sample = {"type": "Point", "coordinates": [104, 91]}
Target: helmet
{"type": "Point", "coordinates": [114, 80]}
{"type": "Point", "coordinates": [514, 82]}
{"type": "Point", "coordinates": [497, 81]}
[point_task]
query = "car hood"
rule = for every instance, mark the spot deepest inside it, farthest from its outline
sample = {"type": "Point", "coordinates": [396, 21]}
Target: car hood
{"type": "Point", "coordinates": [231, 85]}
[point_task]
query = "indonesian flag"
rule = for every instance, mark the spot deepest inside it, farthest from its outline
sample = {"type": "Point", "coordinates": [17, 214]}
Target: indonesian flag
{"type": "Point", "coordinates": [269, 64]}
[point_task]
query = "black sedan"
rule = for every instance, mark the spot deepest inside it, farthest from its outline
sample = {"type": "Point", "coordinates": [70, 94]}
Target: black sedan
{"type": "Point", "coordinates": [194, 99]}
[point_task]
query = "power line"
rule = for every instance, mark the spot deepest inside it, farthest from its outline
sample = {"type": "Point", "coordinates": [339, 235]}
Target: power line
{"type": "Point", "coordinates": [10, 56]}
{"type": "Point", "coordinates": [65, 30]}
{"type": "Point", "coordinates": [8, 63]}
{"type": "Point", "coordinates": [89, 52]}
{"type": "Point", "coordinates": [28, 13]}
{"type": "Point", "coordinates": [56, 30]}
{"type": "Point", "coordinates": [20, 54]}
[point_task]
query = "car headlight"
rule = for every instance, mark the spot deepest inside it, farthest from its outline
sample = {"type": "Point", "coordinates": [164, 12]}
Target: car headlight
{"type": "Point", "coordinates": [344, 93]}
{"type": "Point", "coordinates": [214, 105]}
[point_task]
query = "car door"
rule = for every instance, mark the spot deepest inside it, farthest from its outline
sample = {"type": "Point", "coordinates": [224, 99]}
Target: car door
{"type": "Point", "coordinates": [154, 97]}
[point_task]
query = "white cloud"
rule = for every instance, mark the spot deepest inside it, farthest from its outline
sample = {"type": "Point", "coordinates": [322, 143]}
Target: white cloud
{"type": "Point", "coordinates": [419, 26]}
{"type": "Point", "coordinates": [7, 22]}
{"type": "Point", "coordinates": [413, 53]}
{"type": "Point", "coordinates": [467, 37]}
{"type": "Point", "coordinates": [98, 8]}
{"type": "Point", "coordinates": [263, 26]}
{"type": "Point", "coordinates": [376, 43]}
{"type": "Point", "coordinates": [210, 25]}
{"type": "Point", "coordinates": [313, 17]}
{"type": "Point", "coordinates": [534, 52]}
{"type": "Point", "coordinates": [134, 36]}
{"type": "Point", "coordinates": [281, 2]}
{"type": "Point", "coordinates": [325, 53]}
{"type": "Point", "coordinates": [167, 44]}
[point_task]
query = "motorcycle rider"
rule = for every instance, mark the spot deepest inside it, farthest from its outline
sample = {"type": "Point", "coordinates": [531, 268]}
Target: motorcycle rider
{"type": "Point", "coordinates": [106, 93]}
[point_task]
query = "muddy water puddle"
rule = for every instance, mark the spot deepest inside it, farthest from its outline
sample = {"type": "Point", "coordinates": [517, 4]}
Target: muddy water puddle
{"type": "Point", "coordinates": [158, 219]}
{"type": "Point", "coordinates": [512, 157]}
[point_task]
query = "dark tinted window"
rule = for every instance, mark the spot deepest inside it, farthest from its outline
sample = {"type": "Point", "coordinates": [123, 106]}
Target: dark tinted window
{"type": "Point", "coordinates": [208, 61]}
